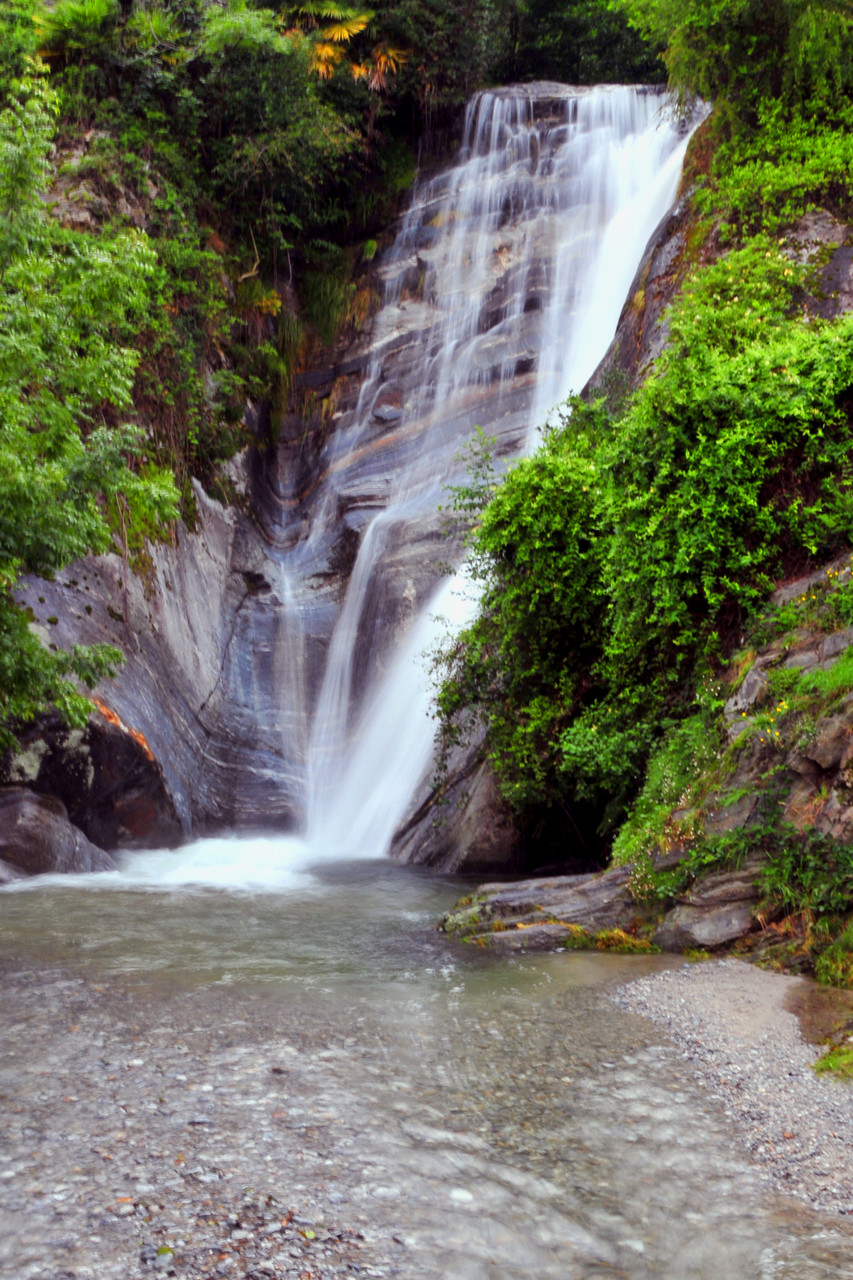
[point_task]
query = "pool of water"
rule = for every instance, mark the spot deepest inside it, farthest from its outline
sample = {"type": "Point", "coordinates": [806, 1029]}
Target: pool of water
{"type": "Point", "coordinates": [486, 1117]}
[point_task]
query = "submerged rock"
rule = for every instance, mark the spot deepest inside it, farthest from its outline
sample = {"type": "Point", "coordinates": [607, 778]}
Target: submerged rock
{"type": "Point", "coordinates": [36, 837]}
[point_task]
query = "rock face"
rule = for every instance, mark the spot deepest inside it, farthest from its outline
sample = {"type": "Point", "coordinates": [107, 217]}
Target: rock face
{"type": "Point", "coordinates": [800, 762]}
{"type": "Point", "coordinates": [36, 837]}
{"type": "Point", "coordinates": [201, 634]}
{"type": "Point", "coordinates": [464, 825]}
{"type": "Point", "coordinates": [720, 908]}
{"type": "Point", "coordinates": [642, 333]}
{"type": "Point", "coordinates": [228, 630]}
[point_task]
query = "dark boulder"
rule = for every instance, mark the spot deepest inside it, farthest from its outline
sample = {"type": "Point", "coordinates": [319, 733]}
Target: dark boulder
{"type": "Point", "coordinates": [37, 837]}
{"type": "Point", "coordinates": [105, 775]}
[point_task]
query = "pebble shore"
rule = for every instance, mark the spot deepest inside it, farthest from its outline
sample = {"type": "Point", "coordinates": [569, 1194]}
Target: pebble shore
{"type": "Point", "coordinates": [729, 1021]}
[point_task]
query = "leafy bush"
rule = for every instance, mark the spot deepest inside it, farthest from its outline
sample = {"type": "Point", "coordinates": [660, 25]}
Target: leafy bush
{"type": "Point", "coordinates": [808, 871]}
{"type": "Point", "coordinates": [528, 656]}
{"type": "Point", "coordinates": [71, 471]}
{"type": "Point", "coordinates": [677, 771]}
{"type": "Point", "coordinates": [835, 966]}
{"type": "Point", "coordinates": [625, 556]}
{"type": "Point", "coordinates": [743, 53]}
{"type": "Point", "coordinates": [789, 163]}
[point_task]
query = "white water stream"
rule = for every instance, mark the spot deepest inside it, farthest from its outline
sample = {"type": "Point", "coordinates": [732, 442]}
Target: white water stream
{"type": "Point", "coordinates": [539, 229]}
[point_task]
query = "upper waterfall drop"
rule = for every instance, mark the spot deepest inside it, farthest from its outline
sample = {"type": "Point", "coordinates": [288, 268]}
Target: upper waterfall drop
{"type": "Point", "coordinates": [503, 290]}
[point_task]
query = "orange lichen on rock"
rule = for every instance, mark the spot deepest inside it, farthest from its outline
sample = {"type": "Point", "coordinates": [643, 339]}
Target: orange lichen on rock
{"type": "Point", "coordinates": [119, 723]}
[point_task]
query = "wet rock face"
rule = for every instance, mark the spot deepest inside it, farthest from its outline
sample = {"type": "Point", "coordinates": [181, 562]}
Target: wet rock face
{"type": "Point", "coordinates": [642, 334]}
{"type": "Point", "coordinates": [36, 837]}
{"type": "Point", "coordinates": [463, 826]}
{"type": "Point", "coordinates": [201, 741]}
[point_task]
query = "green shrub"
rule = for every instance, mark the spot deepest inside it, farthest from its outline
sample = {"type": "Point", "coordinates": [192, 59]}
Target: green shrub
{"type": "Point", "coordinates": [807, 871]}
{"type": "Point", "coordinates": [622, 559]}
{"type": "Point", "coordinates": [838, 1060]}
{"type": "Point", "coordinates": [677, 769]}
{"type": "Point", "coordinates": [74, 472]}
{"type": "Point", "coordinates": [835, 966]}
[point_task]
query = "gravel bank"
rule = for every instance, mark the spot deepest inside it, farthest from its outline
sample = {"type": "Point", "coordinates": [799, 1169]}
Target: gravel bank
{"type": "Point", "coordinates": [730, 1022]}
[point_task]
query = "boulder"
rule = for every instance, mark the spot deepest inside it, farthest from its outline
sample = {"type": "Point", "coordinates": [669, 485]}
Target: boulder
{"type": "Point", "coordinates": [106, 776]}
{"type": "Point", "coordinates": [831, 742]}
{"type": "Point", "coordinates": [462, 826]}
{"type": "Point", "coordinates": [36, 836]}
{"type": "Point", "coordinates": [753, 690]}
{"type": "Point", "coordinates": [719, 909]}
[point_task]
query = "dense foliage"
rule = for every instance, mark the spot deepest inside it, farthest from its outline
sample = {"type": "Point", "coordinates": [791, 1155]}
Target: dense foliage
{"type": "Point", "coordinates": [620, 563]}
{"type": "Point", "coordinates": [582, 42]}
{"type": "Point", "coordinates": [633, 545]}
{"type": "Point", "coordinates": [743, 54]}
{"type": "Point", "coordinates": [71, 468]}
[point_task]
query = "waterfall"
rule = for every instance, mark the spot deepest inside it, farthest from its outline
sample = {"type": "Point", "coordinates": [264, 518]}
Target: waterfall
{"type": "Point", "coordinates": [514, 265]}
{"type": "Point", "coordinates": [502, 292]}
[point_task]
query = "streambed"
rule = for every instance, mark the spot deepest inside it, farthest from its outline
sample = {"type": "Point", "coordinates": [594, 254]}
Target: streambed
{"type": "Point", "coordinates": [186, 1066]}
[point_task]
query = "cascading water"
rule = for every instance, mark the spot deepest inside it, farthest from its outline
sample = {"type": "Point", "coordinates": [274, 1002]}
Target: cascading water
{"type": "Point", "coordinates": [515, 263]}
{"type": "Point", "coordinates": [503, 289]}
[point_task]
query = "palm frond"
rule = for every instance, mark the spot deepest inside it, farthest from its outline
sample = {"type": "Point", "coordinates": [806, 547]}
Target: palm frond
{"type": "Point", "coordinates": [342, 31]}
{"type": "Point", "coordinates": [325, 56]}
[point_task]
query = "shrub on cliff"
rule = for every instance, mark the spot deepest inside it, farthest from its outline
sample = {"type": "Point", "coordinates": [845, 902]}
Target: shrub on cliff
{"type": "Point", "coordinates": [71, 471]}
{"type": "Point", "coordinates": [742, 54]}
{"type": "Point", "coordinates": [622, 558]}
